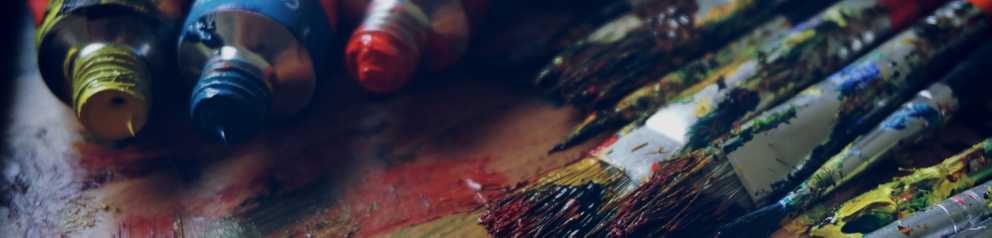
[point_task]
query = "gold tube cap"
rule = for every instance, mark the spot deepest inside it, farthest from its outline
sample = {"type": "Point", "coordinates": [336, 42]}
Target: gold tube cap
{"type": "Point", "coordinates": [110, 89]}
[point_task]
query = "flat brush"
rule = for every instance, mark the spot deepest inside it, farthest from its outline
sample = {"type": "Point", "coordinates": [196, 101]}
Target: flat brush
{"type": "Point", "coordinates": [926, 113]}
{"type": "Point", "coordinates": [649, 41]}
{"type": "Point", "coordinates": [696, 105]}
{"type": "Point", "coordinates": [748, 167]}
{"type": "Point", "coordinates": [949, 217]}
{"type": "Point", "coordinates": [898, 199]}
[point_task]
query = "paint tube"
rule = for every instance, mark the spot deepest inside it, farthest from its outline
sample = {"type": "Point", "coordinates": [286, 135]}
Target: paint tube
{"type": "Point", "coordinates": [389, 45]}
{"type": "Point", "coordinates": [102, 56]}
{"type": "Point", "coordinates": [252, 60]}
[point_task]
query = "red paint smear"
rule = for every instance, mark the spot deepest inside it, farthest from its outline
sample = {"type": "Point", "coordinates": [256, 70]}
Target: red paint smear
{"type": "Point", "coordinates": [380, 62]}
{"type": "Point", "coordinates": [599, 149]}
{"type": "Point", "coordinates": [985, 5]}
{"type": "Point", "coordinates": [37, 10]}
{"type": "Point", "coordinates": [904, 12]}
{"type": "Point", "coordinates": [958, 200]}
{"type": "Point", "coordinates": [151, 197]}
{"type": "Point", "coordinates": [442, 188]}
{"type": "Point", "coordinates": [94, 156]}
{"type": "Point", "coordinates": [138, 226]}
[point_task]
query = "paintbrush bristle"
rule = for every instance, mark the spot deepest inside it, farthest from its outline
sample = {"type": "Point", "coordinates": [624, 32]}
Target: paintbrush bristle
{"type": "Point", "coordinates": [590, 127]}
{"type": "Point", "coordinates": [687, 196]}
{"type": "Point", "coordinates": [572, 200]}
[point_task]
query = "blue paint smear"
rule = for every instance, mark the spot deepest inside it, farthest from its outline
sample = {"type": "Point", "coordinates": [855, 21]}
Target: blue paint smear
{"type": "Point", "coordinates": [806, 25]}
{"type": "Point", "coordinates": [901, 118]}
{"type": "Point", "coordinates": [855, 77]}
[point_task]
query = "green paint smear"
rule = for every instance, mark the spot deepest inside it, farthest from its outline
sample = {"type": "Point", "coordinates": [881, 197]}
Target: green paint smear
{"type": "Point", "coordinates": [760, 125]}
{"type": "Point", "coordinates": [898, 199]}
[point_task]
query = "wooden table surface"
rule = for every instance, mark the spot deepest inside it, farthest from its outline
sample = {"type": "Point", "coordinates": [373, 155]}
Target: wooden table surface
{"type": "Point", "coordinates": [417, 164]}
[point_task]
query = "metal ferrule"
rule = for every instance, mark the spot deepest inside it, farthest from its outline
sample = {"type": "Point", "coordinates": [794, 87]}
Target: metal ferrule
{"type": "Point", "coordinates": [401, 19]}
{"type": "Point", "coordinates": [949, 217]}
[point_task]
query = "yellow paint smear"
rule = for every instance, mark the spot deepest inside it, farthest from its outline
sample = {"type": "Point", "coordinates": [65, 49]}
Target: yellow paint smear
{"type": "Point", "coordinates": [950, 177]}
{"type": "Point", "coordinates": [587, 170]}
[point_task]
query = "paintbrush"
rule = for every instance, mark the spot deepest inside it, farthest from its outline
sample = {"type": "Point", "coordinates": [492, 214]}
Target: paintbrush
{"type": "Point", "coordinates": [979, 229]}
{"type": "Point", "coordinates": [900, 198]}
{"type": "Point", "coordinates": [747, 167]}
{"type": "Point", "coordinates": [738, 88]}
{"type": "Point", "coordinates": [947, 218]}
{"type": "Point", "coordinates": [655, 37]}
{"type": "Point", "coordinates": [927, 112]}
{"type": "Point", "coordinates": [625, 159]}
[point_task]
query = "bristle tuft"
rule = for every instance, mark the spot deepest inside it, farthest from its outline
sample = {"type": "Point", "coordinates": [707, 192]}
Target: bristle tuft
{"type": "Point", "coordinates": [573, 200]}
{"type": "Point", "coordinates": [687, 196]}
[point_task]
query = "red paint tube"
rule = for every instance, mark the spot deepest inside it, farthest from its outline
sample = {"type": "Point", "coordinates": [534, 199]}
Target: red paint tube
{"type": "Point", "coordinates": [386, 49]}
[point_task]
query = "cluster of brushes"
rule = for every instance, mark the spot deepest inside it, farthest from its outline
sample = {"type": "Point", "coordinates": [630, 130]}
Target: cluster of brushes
{"type": "Point", "coordinates": [920, 204]}
{"type": "Point", "coordinates": [795, 108]}
{"type": "Point", "coordinates": [654, 38]}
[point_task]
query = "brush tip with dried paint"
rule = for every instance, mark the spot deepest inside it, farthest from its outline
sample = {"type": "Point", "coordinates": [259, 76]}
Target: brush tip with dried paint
{"type": "Point", "coordinates": [595, 123]}
{"type": "Point", "coordinates": [380, 62]}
